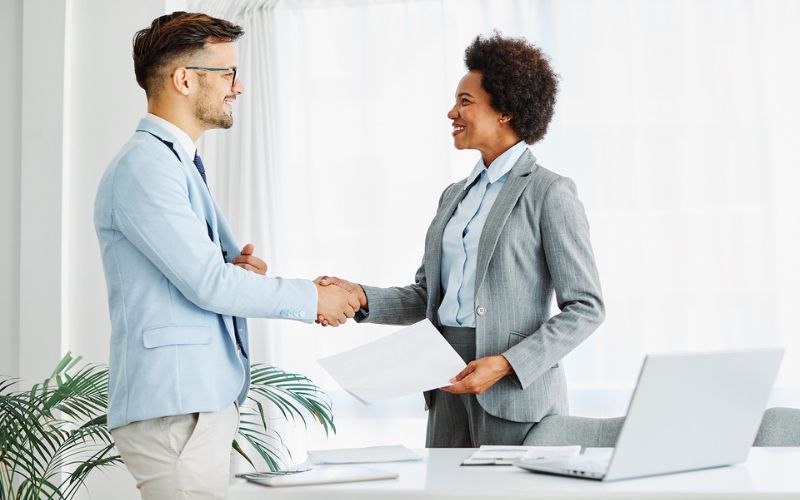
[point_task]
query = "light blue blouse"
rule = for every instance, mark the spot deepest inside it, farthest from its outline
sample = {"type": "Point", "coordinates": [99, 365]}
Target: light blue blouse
{"type": "Point", "coordinates": [462, 234]}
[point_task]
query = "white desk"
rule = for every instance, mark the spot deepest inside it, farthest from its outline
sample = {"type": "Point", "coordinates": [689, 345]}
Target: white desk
{"type": "Point", "coordinates": [769, 473]}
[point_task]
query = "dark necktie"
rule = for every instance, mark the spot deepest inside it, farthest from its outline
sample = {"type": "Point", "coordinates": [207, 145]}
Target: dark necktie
{"type": "Point", "coordinates": [198, 163]}
{"type": "Point", "coordinates": [200, 168]}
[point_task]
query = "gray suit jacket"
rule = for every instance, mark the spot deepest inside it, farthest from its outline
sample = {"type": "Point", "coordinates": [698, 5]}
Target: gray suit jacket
{"type": "Point", "coordinates": [535, 242]}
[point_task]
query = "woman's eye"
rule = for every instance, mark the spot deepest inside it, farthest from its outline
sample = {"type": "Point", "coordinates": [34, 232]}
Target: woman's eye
{"type": "Point", "coordinates": [228, 75]}
{"type": "Point", "coordinates": [464, 102]}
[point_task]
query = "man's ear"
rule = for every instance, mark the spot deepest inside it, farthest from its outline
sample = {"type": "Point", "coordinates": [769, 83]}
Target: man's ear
{"type": "Point", "coordinates": [180, 81]}
{"type": "Point", "coordinates": [505, 118]}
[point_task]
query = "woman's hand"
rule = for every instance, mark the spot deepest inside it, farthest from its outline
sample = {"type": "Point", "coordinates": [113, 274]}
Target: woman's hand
{"type": "Point", "coordinates": [353, 288]}
{"type": "Point", "coordinates": [480, 375]}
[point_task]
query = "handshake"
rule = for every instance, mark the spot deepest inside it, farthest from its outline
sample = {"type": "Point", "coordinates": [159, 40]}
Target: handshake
{"type": "Point", "coordinates": [337, 300]}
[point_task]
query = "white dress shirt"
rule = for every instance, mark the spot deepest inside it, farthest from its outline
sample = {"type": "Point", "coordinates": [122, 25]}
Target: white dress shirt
{"type": "Point", "coordinates": [184, 141]}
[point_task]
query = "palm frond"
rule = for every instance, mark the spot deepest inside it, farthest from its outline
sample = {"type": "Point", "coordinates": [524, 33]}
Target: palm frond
{"type": "Point", "coordinates": [6, 383]}
{"type": "Point", "coordinates": [100, 459]}
{"type": "Point", "coordinates": [57, 424]}
{"type": "Point", "coordinates": [294, 396]}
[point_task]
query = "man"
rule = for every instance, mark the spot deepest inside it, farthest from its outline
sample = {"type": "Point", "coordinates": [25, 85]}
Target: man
{"type": "Point", "coordinates": [178, 291]}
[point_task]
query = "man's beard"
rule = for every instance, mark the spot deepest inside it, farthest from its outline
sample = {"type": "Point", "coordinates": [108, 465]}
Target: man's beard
{"type": "Point", "coordinates": [210, 115]}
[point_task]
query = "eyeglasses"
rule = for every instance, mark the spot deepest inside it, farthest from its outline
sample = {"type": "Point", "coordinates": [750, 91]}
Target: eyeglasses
{"type": "Point", "coordinates": [234, 69]}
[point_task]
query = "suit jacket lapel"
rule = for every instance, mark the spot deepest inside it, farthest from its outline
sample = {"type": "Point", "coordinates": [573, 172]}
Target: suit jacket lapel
{"type": "Point", "coordinates": [207, 205]}
{"type": "Point", "coordinates": [433, 255]}
{"type": "Point", "coordinates": [498, 215]}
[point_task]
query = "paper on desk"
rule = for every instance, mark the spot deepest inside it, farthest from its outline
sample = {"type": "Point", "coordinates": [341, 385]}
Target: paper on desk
{"type": "Point", "coordinates": [372, 454]}
{"type": "Point", "coordinates": [412, 360]}
{"type": "Point", "coordinates": [507, 455]}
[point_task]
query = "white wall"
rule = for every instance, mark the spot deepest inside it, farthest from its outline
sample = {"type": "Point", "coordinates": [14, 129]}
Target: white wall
{"type": "Point", "coordinates": [105, 104]}
{"type": "Point", "coordinates": [10, 117]}
{"type": "Point", "coordinates": [72, 102]}
{"type": "Point", "coordinates": [42, 145]}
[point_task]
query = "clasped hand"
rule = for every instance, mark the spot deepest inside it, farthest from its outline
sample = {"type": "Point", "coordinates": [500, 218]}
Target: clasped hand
{"type": "Point", "coordinates": [249, 262]}
{"type": "Point", "coordinates": [334, 303]}
{"type": "Point", "coordinates": [354, 289]}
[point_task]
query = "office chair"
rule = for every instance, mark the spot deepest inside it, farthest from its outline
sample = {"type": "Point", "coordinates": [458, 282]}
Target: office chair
{"type": "Point", "coordinates": [563, 430]}
{"type": "Point", "coordinates": [779, 427]}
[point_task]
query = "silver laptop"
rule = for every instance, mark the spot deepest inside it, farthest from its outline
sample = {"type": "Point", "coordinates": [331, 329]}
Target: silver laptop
{"type": "Point", "coordinates": [688, 412]}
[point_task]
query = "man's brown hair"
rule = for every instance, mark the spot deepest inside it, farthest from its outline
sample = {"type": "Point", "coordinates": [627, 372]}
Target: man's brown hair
{"type": "Point", "coordinates": [174, 36]}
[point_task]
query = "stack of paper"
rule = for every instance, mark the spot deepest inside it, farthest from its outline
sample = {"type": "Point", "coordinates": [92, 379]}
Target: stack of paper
{"type": "Point", "coordinates": [507, 455]}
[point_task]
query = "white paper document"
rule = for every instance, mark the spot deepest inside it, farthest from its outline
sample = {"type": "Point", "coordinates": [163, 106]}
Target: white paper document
{"type": "Point", "coordinates": [412, 360]}
{"type": "Point", "coordinates": [372, 454]}
{"type": "Point", "coordinates": [507, 455]}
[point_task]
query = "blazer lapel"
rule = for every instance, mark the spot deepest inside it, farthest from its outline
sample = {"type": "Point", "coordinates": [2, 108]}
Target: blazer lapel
{"type": "Point", "coordinates": [206, 202]}
{"type": "Point", "coordinates": [517, 181]}
{"type": "Point", "coordinates": [433, 253]}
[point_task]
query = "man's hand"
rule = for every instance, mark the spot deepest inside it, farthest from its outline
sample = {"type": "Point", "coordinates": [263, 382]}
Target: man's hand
{"type": "Point", "coordinates": [480, 375]}
{"type": "Point", "coordinates": [249, 261]}
{"type": "Point", "coordinates": [353, 288]}
{"type": "Point", "coordinates": [335, 304]}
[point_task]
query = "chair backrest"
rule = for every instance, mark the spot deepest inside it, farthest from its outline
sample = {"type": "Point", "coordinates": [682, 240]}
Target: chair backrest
{"type": "Point", "coordinates": [779, 427]}
{"type": "Point", "coordinates": [562, 430]}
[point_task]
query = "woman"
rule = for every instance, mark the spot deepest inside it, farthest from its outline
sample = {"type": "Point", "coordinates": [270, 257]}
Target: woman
{"type": "Point", "coordinates": [502, 242]}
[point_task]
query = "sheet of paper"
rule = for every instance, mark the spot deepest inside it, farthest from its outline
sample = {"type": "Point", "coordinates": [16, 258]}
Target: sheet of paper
{"type": "Point", "coordinates": [372, 454]}
{"type": "Point", "coordinates": [507, 455]}
{"type": "Point", "coordinates": [412, 360]}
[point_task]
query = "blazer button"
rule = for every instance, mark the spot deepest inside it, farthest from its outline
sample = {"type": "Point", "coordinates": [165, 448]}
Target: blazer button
{"type": "Point", "coordinates": [481, 311]}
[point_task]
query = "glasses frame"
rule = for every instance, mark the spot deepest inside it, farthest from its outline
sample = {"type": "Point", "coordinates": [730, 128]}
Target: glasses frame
{"type": "Point", "coordinates": [217, 70]}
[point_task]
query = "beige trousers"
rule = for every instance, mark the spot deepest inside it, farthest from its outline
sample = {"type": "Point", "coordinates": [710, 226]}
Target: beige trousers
{"type": "Point", "coordinates": [182, 456]}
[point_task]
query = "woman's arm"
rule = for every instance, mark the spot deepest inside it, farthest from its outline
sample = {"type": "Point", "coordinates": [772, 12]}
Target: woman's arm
{"type": "Point", "coordinates": [394, 305]}
{"type": "Point", "coordinates": [570, 260]}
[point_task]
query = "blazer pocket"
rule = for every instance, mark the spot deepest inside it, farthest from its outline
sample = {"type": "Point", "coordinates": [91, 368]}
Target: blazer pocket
{"type": "Point", "coordinates": [515, 338]}
{"type": "Point", "coordinates": [176, 335]}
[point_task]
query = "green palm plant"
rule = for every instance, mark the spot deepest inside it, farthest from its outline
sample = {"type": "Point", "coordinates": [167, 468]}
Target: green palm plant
{"type": "Point", "coordinates": [59, 425]}
{"type": "Point", "coordinates": [54, 435]}
{"type": "Point", "coordinates": [295, 396]}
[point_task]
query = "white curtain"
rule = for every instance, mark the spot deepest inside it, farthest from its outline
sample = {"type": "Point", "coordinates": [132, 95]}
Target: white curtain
{"type": "Point", "coordinates": [678, 120]}
{"type": "Point", "coordinates": [241, 171]}
{"type": "Point", "coordinates": [241, 162]}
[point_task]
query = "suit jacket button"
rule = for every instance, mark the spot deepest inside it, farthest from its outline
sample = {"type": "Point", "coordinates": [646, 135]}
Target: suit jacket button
{"type": "Point", "coordinates": [481, 311]}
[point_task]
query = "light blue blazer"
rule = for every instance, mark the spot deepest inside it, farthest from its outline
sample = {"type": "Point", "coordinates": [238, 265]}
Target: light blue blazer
{"type": "Point", "coordinates": [171, 294]}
